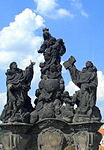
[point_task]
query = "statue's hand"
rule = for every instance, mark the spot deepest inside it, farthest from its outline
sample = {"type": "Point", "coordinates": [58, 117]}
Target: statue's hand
{"type": "Point", "coordinates": [40, 51]}
{"type": "Point", "coordinates": [32, 63]}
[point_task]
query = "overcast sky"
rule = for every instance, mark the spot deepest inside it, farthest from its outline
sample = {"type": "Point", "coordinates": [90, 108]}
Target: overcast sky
{"type": "Point", "coordinates": [79, 22]}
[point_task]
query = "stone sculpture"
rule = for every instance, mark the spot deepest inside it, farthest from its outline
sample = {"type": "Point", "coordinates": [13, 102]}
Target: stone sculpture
{"type": "Point", "coordinates": [18, 107]}
{"type": "Point", "coordinates": [54, 123]}
{"type": "Point", "coordinates": [85, 98]}
{"type": "Point", "coordinates": [52, 101]}
{"type": "Point", "coordinates": [50, 95]}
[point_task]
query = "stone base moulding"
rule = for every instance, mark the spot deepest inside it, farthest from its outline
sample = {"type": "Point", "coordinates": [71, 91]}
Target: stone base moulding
{"type": "Point", "coordinates": [51, 134]}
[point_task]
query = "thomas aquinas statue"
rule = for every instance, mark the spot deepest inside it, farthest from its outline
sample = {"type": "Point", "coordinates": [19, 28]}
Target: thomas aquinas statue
{"type": "Point", "coordinates": [85, 98]}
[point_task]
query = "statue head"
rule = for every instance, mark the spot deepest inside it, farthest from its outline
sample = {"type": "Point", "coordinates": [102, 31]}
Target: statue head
{"type": "Point", "coordinates": [13, 65]}
{"type": "Point", "coordinates": [41, 65]}
{"type": "Point", "coordinates": [45, 30]}
{"type": "Point", "coordinates": [60, 41]}
{"type": "Point", "coordinates": [46, 34]}
{"type": "Point", "coordinates": [66, 94]}
{"type": "Point", "coordinates": [45, 77]}
{"type": "Point", "coordinates": [89, 64]}
{"type": "Point", "coordinates": [57, 102]}
{"type": "Point", "coordinates": [37, 93]}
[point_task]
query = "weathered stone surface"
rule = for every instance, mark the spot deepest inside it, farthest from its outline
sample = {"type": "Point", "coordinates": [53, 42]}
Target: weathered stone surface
{"type": "Point", "coordinates": [70, 148]}
{"type": "Point", "coordinates": [15, 141]}
{"type": "Point", "coordinates": [85, 98]}
{"type": "Point", "coordinates": [18, 107]}
{"type": "Point", "coordinates": [51, 139]}
{"type": "Point", "coordinates": [18, 136]}
{"type": "Point", "coordinates": [55, 124]}
{"type": "Point", "coordinates": [51, 134]}
{"type": "Point", "coordinates": [51, 94]}
{"type": "Point", "coordinates": [78, 136]}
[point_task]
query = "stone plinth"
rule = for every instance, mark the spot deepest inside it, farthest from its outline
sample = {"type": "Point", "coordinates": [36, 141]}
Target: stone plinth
{"type": "Point", "coordinates": [74, 136]}
{"type": "Point", "coordinates": [17, 136]}
{"type": "Point", "coordinates": [51, 134]}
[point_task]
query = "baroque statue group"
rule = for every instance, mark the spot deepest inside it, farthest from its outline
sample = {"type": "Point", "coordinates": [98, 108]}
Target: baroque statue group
{"type": "Point", "coordinates": [52, 101]}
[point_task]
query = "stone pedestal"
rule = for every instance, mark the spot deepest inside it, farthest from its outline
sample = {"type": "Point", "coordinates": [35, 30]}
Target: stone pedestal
{"type": "Point", "coordinates": [73, 136]}
{"type": "Point", "coordinates": [51, 134]}
{"type": "Point", "coordinates": [17, 136]}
